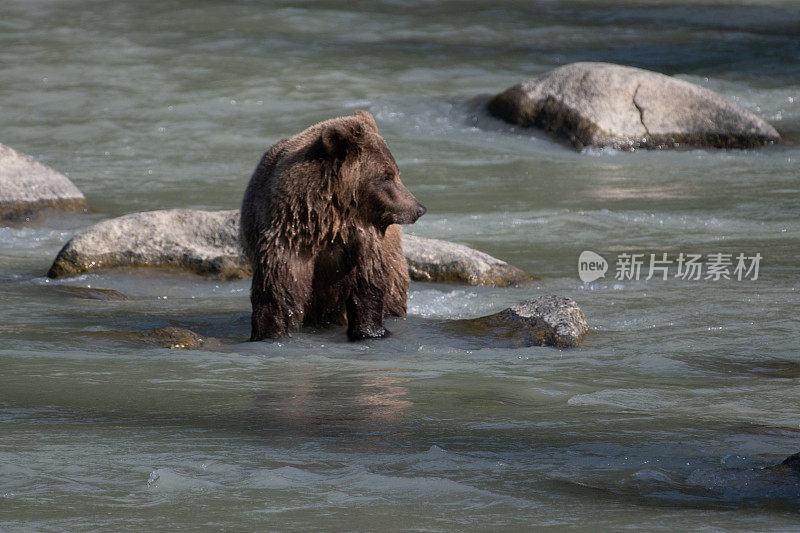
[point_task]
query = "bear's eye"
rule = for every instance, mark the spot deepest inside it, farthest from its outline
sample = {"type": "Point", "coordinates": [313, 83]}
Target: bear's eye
{"type": "Point", "coordinates": [388, 176]}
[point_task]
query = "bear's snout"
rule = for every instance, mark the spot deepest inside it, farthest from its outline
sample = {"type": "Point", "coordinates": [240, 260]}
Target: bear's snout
{"type": "Point", "coordinates": [411, 215]}
{"type": "Point", "coordinates": [405, 209]}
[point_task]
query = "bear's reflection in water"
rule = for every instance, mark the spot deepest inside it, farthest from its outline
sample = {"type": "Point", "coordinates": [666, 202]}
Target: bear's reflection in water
{"type": "Point", "coordinates": [314, 401]}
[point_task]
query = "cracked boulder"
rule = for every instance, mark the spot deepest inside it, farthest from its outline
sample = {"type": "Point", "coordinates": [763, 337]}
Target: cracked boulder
{"type": "Point", "coordinates": [27, 187]}
{"type": "Point", "coordinates": [541, 321]}
{"type": "Point", "coordinates": [206, 243]}
{"type": "Point", "coordinates": [605, 105]}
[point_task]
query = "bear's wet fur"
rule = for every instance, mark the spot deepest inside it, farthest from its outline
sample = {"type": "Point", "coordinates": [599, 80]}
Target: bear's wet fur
{"type": "Point", "coordinates": [320, 226]}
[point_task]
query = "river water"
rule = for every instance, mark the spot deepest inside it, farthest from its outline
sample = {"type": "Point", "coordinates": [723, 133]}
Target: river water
{"type": "Point", "coordinates": [664, 418]}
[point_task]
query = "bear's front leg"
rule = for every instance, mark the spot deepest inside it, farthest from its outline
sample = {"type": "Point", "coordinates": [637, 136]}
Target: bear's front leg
{"type": "Point", "coordinates": [365, 318]}
{"type": "Point", "coordinates": [278, 295]}
{"type": "Point", "coordinates": [265, 322]}
{"type": "Point", "coordinates": [365, 307]}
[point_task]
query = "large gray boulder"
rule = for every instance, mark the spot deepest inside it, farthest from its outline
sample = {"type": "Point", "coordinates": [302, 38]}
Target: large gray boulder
{"type": "Point", "coordinates": [28, 186]}
{"type": "Point", "coordinates": [203, 242]}
{"type": "Point", "coordinates": [206, 243]}
{"type": "Point", "coordinates": [541, 321]}
{"type": "Point", "coordinates": [606, 105]}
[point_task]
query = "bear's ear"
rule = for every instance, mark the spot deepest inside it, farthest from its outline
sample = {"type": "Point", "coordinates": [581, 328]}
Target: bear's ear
{"type": "Point", "coordinates": [367, 118]}
{"type": "Point", "coordinates": [333, 143]}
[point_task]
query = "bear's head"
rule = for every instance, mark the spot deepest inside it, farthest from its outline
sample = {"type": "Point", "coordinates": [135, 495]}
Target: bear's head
{"type": "Point", "coordinates": [368, 177]}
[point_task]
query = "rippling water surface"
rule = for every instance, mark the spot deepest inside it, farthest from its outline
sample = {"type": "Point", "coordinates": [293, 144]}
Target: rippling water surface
{"type": "Point", "coordinates": [665, 417]}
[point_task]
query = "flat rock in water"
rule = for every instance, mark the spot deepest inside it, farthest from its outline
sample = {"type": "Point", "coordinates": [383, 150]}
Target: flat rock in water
{"type": "Point", "coordinates": [542, 321]}
{"type": "Point", "coordinates": [436, 260]}
{"type": "Point", "coordinates": [606, 105]}
{"type": "Point", "coordinates": [206, 243]}
{"type": "Point", "coordinates": [28, 186]}
{"type": "Point", "coordinates": [203, 242]}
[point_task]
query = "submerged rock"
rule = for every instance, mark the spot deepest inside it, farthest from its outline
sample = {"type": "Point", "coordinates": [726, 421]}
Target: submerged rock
{"type": "Point", "coordinates": [206, 243]}
{"type": "Point", "coordinates": [606, 105]}
{"type": "Point", "coordinates": [171, 337]}
{"type": "Point", "coordinates": [790, 465]}
{"type": "Point", "coordinates": [792, 462]}
{"type": "Point", "coordinates": [541, 321]}
{"type": "Point", "coordinates": [93, 293]}
{"type": "Point", "coordinates": [176, 338]}
{"type": "Point", "coordinates": [28, 186]}
{"type": "Point", "coordinates": [435, 260]}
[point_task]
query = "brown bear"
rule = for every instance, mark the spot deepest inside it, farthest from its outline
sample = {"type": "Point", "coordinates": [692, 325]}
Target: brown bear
{"type": "Point", "coordinates": [319, 225]}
